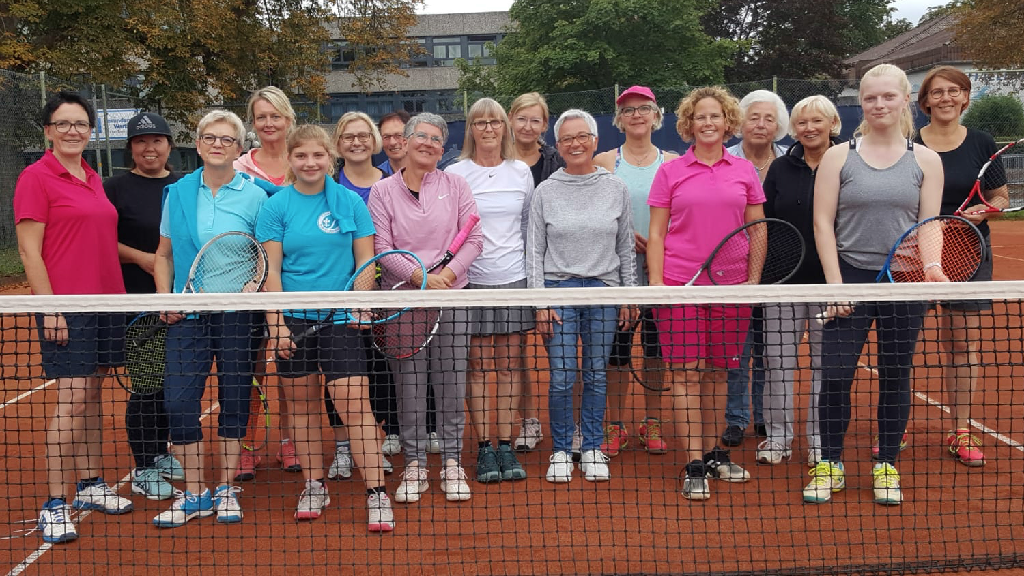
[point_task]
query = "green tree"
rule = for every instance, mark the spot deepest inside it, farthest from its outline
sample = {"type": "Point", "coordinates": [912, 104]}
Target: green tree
{"type": "Point", "coordinates": [377, 29]}
{"type": "Point", "coordinates": [574, 45]}
{"type": "Point", "coordinates": [988, 31]}
{"type": "Point", "coordinates": [1001, 115]}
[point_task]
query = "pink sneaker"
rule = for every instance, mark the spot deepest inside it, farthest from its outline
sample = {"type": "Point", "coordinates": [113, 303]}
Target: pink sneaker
{"type": "Point", "coordinates": [615, 439]}
{"type": "Point", "coordinates": [650, 436]}
{"type": "Point", "coordinates": [965, 447]}
{"type": "Point", "coordinates": [286, 456]}
{"type": "Point", "coordinates": [247, 463]}
{"type": "Point", "coordinates": [904, 442]}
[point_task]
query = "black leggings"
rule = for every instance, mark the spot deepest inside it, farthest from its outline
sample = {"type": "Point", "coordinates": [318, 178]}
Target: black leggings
{"type": "Point", "coordinates": [147, 427]}
{"type": "Point", "coordinates": [897, 325]}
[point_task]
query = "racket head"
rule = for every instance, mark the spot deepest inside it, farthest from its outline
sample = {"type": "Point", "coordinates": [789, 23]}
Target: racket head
{"type": "Point", "coordinates": [258, 428]}
{"type": "Point", "coordinates": [951, 241]}
{"type": "Point", "coordinates": [1004, 168]}
{"type": "Point", "coordinates": [647, 377]}
{"type": "Point", "coordinates": [407, 332]}
{"type": "Point", "coordinates": [145, 354]}
{"type": "Point", "coordinates": [776, 244]}
{"type": "Point", "coordinates": [231, 262]}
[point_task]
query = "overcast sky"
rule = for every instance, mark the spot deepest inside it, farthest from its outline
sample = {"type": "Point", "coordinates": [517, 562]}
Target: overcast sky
{"type": "Point", "coordinates": [910, 9]}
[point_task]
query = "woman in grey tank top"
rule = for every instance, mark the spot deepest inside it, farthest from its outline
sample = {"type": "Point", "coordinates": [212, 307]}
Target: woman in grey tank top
{"type": "Point", "coordinates": [637, 115]}
{"type": "Point", "coordinates": [866, 195]}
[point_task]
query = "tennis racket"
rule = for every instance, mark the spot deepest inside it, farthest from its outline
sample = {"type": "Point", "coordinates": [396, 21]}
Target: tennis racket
{"type": "Point", "coordinates": [765, 251]}
{"type": "Point", "coordinates": [231, 262]}
{"type": "Point", "coordinates": [144, 368]}
{"type": "Point", "coordinates": [649, 378]}
{"type": "Point", "coordinates": [258, 431]}
{"type": "Point", "coordinates": [949, 243]}
{"type": "Point", "coordinates": [367, 277]}
{"type": "Point", "coordinates": [1004, 169]}
{"type": "Point", "coordinates": [407, 333]}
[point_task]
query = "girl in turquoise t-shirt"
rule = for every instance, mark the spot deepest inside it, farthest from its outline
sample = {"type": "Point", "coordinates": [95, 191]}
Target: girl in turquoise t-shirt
{"type": "Point", "coordinates": [316, 233]}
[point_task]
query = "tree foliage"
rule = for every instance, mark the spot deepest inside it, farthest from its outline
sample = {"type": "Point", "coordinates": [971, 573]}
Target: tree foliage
{"type": "Point", "coordinates": [799, 38]}
{"type": "Point", "coordinates": [575, 45]}
{"type": "Point", "coordinates": [988, 31]}
{"type": "Point", "coordinates": [378, 29]}
{"type": "Point", "coordinates": [1001, 115]}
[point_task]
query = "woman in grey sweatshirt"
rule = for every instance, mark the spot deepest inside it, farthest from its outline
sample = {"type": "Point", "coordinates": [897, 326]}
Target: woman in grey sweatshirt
{"type": "Point", "coordinates": [580, 235]}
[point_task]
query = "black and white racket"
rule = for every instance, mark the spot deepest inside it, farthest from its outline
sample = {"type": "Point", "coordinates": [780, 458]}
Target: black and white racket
{"type": "Point", "coordinates": [765, 251]}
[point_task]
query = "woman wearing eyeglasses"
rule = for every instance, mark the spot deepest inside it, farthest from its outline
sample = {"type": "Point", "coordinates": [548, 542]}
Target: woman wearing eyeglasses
{"type": "Point", "coordinates": [580, 234]}
{"type": "Point", "coordinates": [701, 342]}
{"type": "Point", "coordinates": [944, 95]}
{"type": "Point", "coordinates": [356, 140]}
{"type": "Point", "coordinates": [502, 187]}
{"type": "Point", "coordinates": [529, 117]}
{"type": "Point", "coordinates": [67, 239]}
{"type": "Point", "coordinates": [421, 209]}
{"type": "Point", "coordinates": [637, 115]}
{"type": "Point", "coordinates": [210, 201]}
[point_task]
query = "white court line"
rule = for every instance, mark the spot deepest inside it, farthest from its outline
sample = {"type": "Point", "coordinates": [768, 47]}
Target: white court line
{"type": "Point", "coordinates": [45, 546]}
{"type": "Point", "coordinates": [985, 429]}
{"type": "Point", "coordinates": [26, 394]}
{"type": "Point", "coordinates": [1009, 257]}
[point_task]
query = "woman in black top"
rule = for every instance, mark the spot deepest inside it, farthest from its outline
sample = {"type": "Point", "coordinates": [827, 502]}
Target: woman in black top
{"type": "Point", "coordinates": [789, 195]}
{"type": "Point", "coordinates": [944, 95]}
{"type": "Point", "coordinates": [137, 196]}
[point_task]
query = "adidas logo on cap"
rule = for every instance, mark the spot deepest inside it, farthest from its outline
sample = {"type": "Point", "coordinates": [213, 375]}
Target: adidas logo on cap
{"type": "Point", "coordinates": [145, 123]}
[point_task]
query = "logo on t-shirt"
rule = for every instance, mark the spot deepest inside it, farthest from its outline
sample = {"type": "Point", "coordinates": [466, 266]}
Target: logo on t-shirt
{"type": "Point", "coordinates": [327, 223]}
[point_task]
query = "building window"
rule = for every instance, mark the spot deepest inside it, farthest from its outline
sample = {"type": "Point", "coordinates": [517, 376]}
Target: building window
{"type": "Point", "coordinates": [446, 50]}
{"type": "Point", "coordinates": [342, 55]}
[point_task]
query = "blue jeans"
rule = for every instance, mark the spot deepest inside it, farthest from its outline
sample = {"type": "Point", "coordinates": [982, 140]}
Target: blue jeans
{"type": "Point", "coordinates": [750, 374]}
{"type": "Point", "coordinates": [595, 326]}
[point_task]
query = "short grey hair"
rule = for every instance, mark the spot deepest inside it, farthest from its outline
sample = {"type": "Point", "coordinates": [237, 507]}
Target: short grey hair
{"type": "Point", "coordinates": [781, 115]}
{"type": "Point", "coordinates": [221, 115]}
{"type": "Point", "coordinates": [426, 118]}
{"type": "Point", "coordinates": [572, 114]}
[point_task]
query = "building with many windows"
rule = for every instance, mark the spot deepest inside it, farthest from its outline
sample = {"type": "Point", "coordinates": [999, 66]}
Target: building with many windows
{"type": "Point", "coordinates": [432, 81]}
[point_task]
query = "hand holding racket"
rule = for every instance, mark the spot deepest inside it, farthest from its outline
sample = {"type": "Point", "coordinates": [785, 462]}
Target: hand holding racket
{"type": "Point", "coordinates": [992, 181]}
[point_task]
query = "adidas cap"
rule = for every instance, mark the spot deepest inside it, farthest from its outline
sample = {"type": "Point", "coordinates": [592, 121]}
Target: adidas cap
{"type": "Point", "coordinates": [148, 123]}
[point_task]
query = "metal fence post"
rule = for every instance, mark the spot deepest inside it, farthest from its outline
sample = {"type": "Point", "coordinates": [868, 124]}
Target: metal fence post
{"type": "Point", "coordinates": [106, 131]}
{"type": "Point", "coordinates": [42, 99]}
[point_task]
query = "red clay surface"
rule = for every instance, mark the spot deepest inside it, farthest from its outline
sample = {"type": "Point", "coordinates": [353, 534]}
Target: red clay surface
{"type": "Point", "coordinates": [636, 523]}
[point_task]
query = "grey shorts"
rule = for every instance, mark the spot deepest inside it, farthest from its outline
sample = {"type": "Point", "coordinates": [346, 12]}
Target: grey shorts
{"type": "Point", "coordinates": [491, 320]}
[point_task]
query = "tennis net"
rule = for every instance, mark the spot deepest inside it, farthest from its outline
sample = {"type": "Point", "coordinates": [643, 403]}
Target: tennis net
{"type": "Point", "coordinates": [650, 495]}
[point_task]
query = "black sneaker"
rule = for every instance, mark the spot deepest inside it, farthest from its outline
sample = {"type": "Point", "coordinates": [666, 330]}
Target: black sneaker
{"type": "Point", "coordinates": [487, 469]}
{"type": "Point", "coordinates": [760, 430]}
{"type": "Point", "coordinates": [720, 466]}
{"type": "Point", "coordinates": [509, 465]}
{"type": "Point", "coordinates": [733, 436]}
{"type": "Point", "coordinates": [695, 484]}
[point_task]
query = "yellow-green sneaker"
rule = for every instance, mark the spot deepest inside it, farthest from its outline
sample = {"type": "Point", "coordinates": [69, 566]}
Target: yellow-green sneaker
{"type": "Point", "coordinates": [827, 477]}
{"type": "Point", "coordinates": [887, 484]}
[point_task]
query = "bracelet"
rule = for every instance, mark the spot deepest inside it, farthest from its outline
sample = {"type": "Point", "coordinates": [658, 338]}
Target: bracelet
{"type": "Point", "coordinates": [932, 265]}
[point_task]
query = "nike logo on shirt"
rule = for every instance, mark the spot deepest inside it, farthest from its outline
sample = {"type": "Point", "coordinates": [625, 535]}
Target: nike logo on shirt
{"type": "Point", "coordinates": [443, 197]}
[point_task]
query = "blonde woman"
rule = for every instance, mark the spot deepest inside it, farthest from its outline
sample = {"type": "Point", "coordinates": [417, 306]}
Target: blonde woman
{"type": "Point", "coordinates": [529, 118]}
{"type": "Point", "coordinates": [637, 115]}
{"type": "Point", "coordinates": [502, 188]}
{"type": "Point", "coordinates": [866, 195]}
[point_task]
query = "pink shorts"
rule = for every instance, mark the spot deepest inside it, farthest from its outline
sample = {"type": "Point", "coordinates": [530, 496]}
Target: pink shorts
{"type": "Point", "coordinates": [713, 333]}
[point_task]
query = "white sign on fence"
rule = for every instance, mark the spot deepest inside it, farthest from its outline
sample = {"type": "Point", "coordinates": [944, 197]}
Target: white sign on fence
{"type": "Point", "coordinates": [117, 123]}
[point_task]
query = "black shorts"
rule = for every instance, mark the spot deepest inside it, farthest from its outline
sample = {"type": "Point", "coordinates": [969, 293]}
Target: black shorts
{"type": "Point", "coordinates": [622, 346]}
{"type": "Point", "coordinates": [984, 274]}
{"type": "Point", "coordinates": [95, 340]}
{"type": "Point", "coordinates": [337, 350]}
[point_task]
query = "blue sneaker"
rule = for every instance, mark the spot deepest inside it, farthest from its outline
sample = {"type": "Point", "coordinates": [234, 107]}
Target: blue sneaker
{"type": "Point", "coordinates": [169, 468]}
{"type": "Point", "coordinates": [100, 497]}
{"type": "Point", "coordinates": [150, 483]}
{"type": "Point", "coordinates": [186, 507]}
{"type": "Point", "coordinates": [226, 503]}
{"type": "Point", "coordinates": [55, 522]}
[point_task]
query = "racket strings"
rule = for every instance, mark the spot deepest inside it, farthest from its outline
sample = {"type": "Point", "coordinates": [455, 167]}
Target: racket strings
{"type": "Point", "coordinates": [951, 242]}
{"type": "Point", "coordinates": [233, 263]}
{"type": "Point", "coordinates": [776, 248]}
{"type": "Point", "coordinates": [145, 354]}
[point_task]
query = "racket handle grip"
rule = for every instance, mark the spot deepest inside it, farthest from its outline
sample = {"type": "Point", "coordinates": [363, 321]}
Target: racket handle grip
{"type": "Point", "coordinates": [150, 332]}
{"type": "Point", "coordinates": [460, 238]}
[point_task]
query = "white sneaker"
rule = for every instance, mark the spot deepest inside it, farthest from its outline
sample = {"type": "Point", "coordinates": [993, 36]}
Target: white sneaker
{"type": "Point", "coordinates": [414, 483]}
{"type": "Point", "coordinates": [771, 452]}
{"type": "Point", "coordinates": [100, 497]}
{"type": "Point", "coordinates": [560, 468]}
{"type": "Point", "coordinates": [225, 502]}
{"type": "Point", "coordinates": [382, 517]}
{"type": "Point", "coordinates": [453, 483]}
{"type": "Point", "coordinates": [433, 443]}
{"type": "Point", "coordinates": [529, 435]}
{"type": "Point", "coordinates": [386, 465]}
{"type": "Point", "coordinates": [312, 502]}
{"type": "Point", "coordinates": [186, 506]}
{"type": "Point", "coordinates": [594, 465]}
{"type": "Point", "coordinates": [886, 484]}
{"type": "Point", "coordinates": [695, 484]}
{"type": "Point", "coordinates": [577, 442]}
{"type": "Point", "coordinates": [55, 523]}
{"type": "Point", "coordinates": [392, 445]}
{"type": "Point", "coordinates": [342, 465]}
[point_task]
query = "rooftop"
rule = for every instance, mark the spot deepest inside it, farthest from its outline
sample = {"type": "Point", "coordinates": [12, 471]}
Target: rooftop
{"type": "Point", "coordinates": [926, 45]}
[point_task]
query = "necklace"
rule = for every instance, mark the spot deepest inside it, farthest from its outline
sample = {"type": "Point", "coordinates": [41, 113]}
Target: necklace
{"type": "Point", "coordinates": [640, 161]}
{"type": "Point", "coordinates": [766, 163]}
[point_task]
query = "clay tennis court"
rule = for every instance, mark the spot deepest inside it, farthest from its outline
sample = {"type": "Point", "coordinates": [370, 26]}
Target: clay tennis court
{"type": "Point", "coordinates": [952, 518]}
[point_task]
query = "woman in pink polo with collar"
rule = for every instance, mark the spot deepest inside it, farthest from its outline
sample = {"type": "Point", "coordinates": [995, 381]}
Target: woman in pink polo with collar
{"type": "Point", "coordinates": [696, 200]}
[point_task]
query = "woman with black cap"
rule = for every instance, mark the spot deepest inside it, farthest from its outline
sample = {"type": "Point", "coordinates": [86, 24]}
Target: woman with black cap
{"type": "Point", "coordinates": [136, 195]}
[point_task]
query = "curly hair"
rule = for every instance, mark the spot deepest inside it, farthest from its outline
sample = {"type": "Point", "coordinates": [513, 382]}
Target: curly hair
{"type": "Point", "coordinates": [730, 108]}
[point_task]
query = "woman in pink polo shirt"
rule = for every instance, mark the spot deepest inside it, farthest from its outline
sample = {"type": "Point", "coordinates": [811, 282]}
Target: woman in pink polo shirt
{"type": "Point", "coordinates": [67, 239]}
{"type": "Point", "coordinates": [696, 200]}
